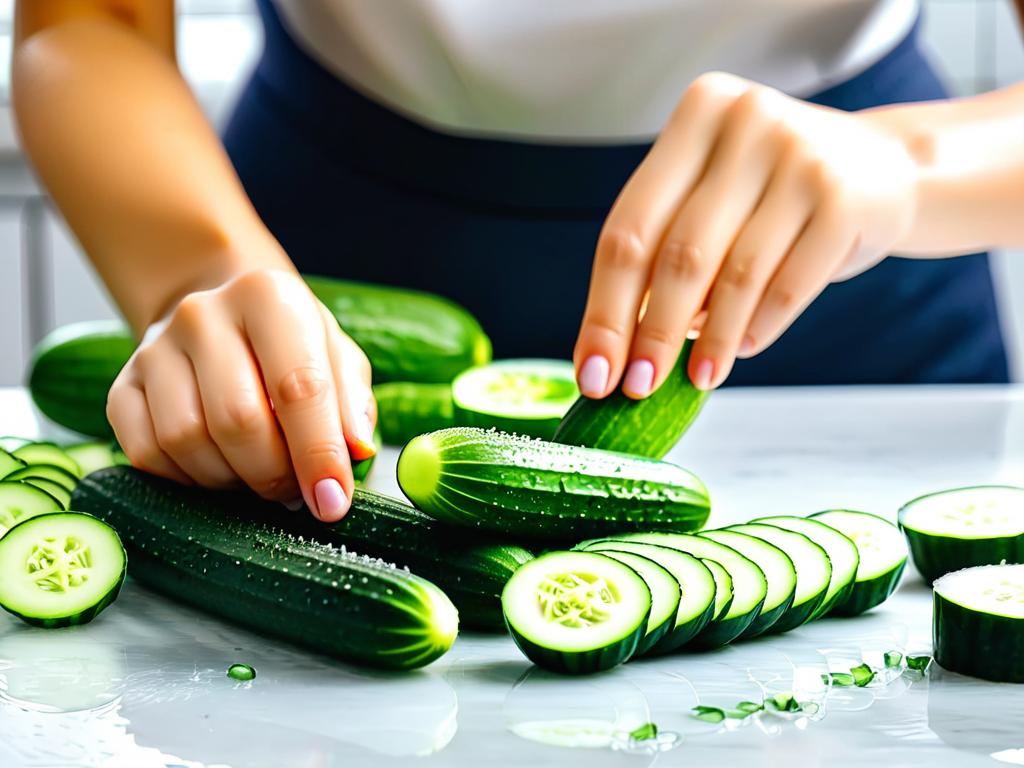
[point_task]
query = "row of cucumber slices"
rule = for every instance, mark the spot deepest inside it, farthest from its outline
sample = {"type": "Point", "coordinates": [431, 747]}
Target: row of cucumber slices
{"type": "Point", "coordinates": [612, 599]}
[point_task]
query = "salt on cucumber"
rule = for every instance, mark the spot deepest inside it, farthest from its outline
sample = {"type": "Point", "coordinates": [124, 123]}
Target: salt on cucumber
{"type": "Point", "coordinates": [978, 622]}
{"type": "Point", "coordinates": [20, 501]}
{"type": "Point", "coordinates": [665, 595]}
{"type": "Point", "coordinates": [576, 612]}
{"type": "Point", "coordinates": [955, 529]}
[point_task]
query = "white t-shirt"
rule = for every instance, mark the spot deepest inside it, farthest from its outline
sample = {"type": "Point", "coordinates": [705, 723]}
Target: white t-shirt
{"type": "Point", "coordinates": [583, 70]}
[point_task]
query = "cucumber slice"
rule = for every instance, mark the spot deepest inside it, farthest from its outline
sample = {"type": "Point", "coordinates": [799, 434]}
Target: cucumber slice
{"type": "Point", "coordinates": [58, 491]}
{"type": "Point", "coordinates": [778, 570]}
{"type": "Point", "coordinates": [665, 596]}
{"type": "Point", "coordinates": [49, 472]}
{"type": "Point", "coordinates": [883, 556]}
{"type": "Point", "coordinates": [9, 463]}
{"type": "Point", "coordinates": [47, 453]}
{"type": "Point", "coordinates": [750, 587]}
{"type": "Point", "coordinates": [723, 588]}
{"type": "Point", "coordinates": [20, 501]}
{"type": "Point", "coordinates": [60, 569]}
{"type": "Point", "coordinates": [978, 624]}
{"type": "Point", "coordinates": [91, 456]}
{"type": "Point", "coordinates": [576, 612]}
{"type": "Point", "coordinates": [813, 571]}
{"type": "Point", "coordinates": [527, 397]}
{"type": "Point", "coordinates": [840, 550]}
{"type": "Point", "coordinates": [951, 530]}
{"type": "Point", "coordinates": [694, 581]}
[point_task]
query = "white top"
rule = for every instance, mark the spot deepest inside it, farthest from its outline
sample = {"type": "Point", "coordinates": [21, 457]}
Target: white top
{"type": "Point", "coordinates": [583, 70]}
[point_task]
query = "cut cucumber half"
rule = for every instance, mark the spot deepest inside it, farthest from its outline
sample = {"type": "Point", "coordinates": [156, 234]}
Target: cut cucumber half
{"type": "Point", "coordinates": [49, 472]}
{"type": "Point", "coordinates": [665, 596]}
{"type": "Point", "coordinates": [883, 556]}
{"type": "Point", "coordinates": [723, 588]}
{"type": "Point", "coordinates": [9, 463]}
{"type": "Point", "coordinates": [778, 570]}
{"type": "Point", "coordinates": [576, 612]}
{"type": "Point", "coordinates": [47, 453]}
{"type": "Point", "coordinates": [750, 588]}
{"type": "Point", "coordinates": [813, 571]}
{"type": "Point", "coordinates": [58, 491]}
{"type": "Point", "coordinates": [978, 622]}
{"type": "Point", "coordinates": [20, 501]}
{"type": "Point", "coordinates": [60, 569]}
{"type": "Point", "coordinates": [842, 553]}
{"type": "Point", "coordinates": [527, 397]}
{"type": "Point", "coordinates": [694, 582]}
{"type": "Point", "coordinates": [963, 527]}
{"type": "Point", "coordinates": [91, 456]}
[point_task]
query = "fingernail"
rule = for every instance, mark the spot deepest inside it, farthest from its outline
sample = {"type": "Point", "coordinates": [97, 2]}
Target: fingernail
{"type": "Point", "coordinates": [294, 505]}
{"type": "Point", "coordinates": [331, 501]}
{"type": "Point", "coordinates": [639, 378]}
{"type": "Point", "coordinates": [702, 376]}
{"type": "Point", "coordinates": [747, 345]}
{"type": "Point", "coordinates": [594, 376]}
{"type": "Point", "coordinates": [364, 432]}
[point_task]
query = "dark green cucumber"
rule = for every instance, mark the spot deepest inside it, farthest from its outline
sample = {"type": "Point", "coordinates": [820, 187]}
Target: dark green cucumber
{"type": "Point", "coordinates": [648, 427]}
{"type": "Point", "coordinates": [530, 488]}
{"type": "Point", "coordinates": [963, 527]}
{"type": "Point", "coordinates": [978, 622]}
{"type": "Point", "coordinates": [406, 409]}
{"type": "Point", "coordinates": [20, 501]}
{"type": "Point", "coordinates": [237, 566]}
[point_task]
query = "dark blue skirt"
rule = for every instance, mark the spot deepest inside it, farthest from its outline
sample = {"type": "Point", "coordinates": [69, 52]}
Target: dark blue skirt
{"type": "Point", "coordinates": [508, 228]}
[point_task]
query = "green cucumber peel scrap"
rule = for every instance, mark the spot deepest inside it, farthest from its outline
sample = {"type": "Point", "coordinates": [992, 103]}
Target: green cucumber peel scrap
{"type": "Point", "coordinates": [838, 679]}
{"type": "Point", "coordinates": [862, 675]}
{"type": "Point", "coordinates": [919, 663]}
{"type": "Point", "coordinates": [893, 659]}
{"type": "Point", "coordinates": [779, 702]}
{"type": "Point", "coordinates": [645, 732]}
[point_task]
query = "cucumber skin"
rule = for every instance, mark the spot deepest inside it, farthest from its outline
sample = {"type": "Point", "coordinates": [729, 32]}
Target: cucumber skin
{"type": "Point", "coordinates": [581, 662]}
{"type": "Point", "coordinates": [539, 428]}
{"type": "Point", "coordinates": [935, 556]}
{"type": "Point", "coordinates": [231, 563]}
{"type": "Point", "coordinates": [406, 409]}
{"type": "Point", "coordinates": [650, 427]}
{"type": "Point", "coordinates": [977, 644]}
{"type": "Point", "coordinates": [513, 485]}
{"type": "Point", "coordinates": [865, 595]}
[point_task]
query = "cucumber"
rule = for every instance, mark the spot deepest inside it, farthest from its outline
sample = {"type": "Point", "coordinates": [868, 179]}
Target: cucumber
{"type": "Point", "coordinates": [9, 463]}
{"type": "Point", "coordinates": [813, 571]}
{"type": "Point", "coordinates": [59, 492]}
{"type": "Point", "coordinates": [525, 397]}
{"type": "Point", "coordinates": [92, 455]}
{"type": "Point", "coordinates": [883, 556]}
{"type": "Point", "coordinates": [48, 453]}
{"type": "Point", "coordinates": [361, 469]}
{"type": "Point", "coordinates": [406, 409]}
{"type": "Point", "coordinates": [978, 622]}
{"type": "Point", "coordinates": [724, 592]}
{"type": "Point", "coordinates": [231, 563]}
{"type": "Point", "coordinates": [20, 501]}
{"type": "Point", "coordinates": [648, 427]}
{"type": "Point", "coordinates": [665, 595]}
{"type": "Point", "coordinates": [842, 553]}
{"type": "Point", "coordinates": [750, 587]}
{"type": "Point", "coordinates": [576, 612]}
{"type": "Point", "coordinates": [951, 530]}
{"type": "Point", "coordinates": [60, 569]}
{"type": "Point", "coordinates": [49, 472]}
{"type": "Point", "coordinates": [530, 488]}
{"type": "Point", "coordinates": [407, 335]}
{"type": "Point", "coordinates": [694, 582]}
{"type": "Point", "coordinates": [778, 569]}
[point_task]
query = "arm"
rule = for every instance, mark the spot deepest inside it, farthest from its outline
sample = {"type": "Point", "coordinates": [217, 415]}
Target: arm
{"type": "Point", "coordinates": [241, 375]}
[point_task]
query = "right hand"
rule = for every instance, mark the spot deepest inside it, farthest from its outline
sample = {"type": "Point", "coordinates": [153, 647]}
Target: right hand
{"type": "Point", "coordinates": [249, 383]}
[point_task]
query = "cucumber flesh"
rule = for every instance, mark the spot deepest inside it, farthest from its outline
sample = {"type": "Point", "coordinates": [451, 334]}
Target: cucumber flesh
{"type": "Point", "coordinates": [9, 463]}
{"type": "Point", "coordinates": [91, 456]}
{"type": "Point", "coordinates": [20, 501]}
{"type": "Point", "coordinates": [60, 569]}
{"type": "Point", "coordinates": [665, 596]}
{"type": "Point", "coordinates": [724, 592]}
{"type": "Point", "coordinates": [576, 612]}
{"type": "Point", "coordinates": [58, 491]}
{"type": "Point", "coordinates": [49, 472]}
{"type": "Point", "coordinates": [47, 453]}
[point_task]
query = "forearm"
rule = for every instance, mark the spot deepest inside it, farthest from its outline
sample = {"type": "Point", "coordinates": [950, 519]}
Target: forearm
{"type": "Point", "coordinates": [970, 157]}
{"type": "Point", "coordinates": [135, 168]}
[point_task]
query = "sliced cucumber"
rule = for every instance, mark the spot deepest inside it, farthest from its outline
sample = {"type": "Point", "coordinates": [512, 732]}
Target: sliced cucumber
{"type": "Point", "coordinates": [842, 553]}
{"type": "Point", "coordinates": [724, 592]}
{"type": "Point", "coordinates": [813, 571]}
{"type": "Point", "coordinates": [47, 453]}
{"type": "Point", "coordinates": [750, 588]}
{"type": "Point", "coordinates": [665, 596]}
{"type": "Point", "coordinates": [955, 529]}
{"type": "Point", "coordinates": [576, 612]}
{"type": "Point", "coordinates": [49, 472]}
{"type": "Point", "coordinates": [694, 582]}
{"type": "Point", "coordinates": [20, 501]}
{"type": "Point", "coordinates": [60, 569]}
{"type": "Point", "coordinates": [91, 456]}
{"type": "Point", "coordinates": [58, 491]}
{"type": "Point", "coordinates": [9, 463]}
{"type": "Point", "coordinates": [778, 570]}
{"type": "Point", "coordinates": [978, 624]}
{"type": "Point", "coordinates": [883, 556]}
{"type": "Point", "coordinates": [526, 397]}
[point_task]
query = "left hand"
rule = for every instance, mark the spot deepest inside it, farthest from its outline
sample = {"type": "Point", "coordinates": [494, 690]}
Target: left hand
{"type": "Point", "coordinates": [747, 206]}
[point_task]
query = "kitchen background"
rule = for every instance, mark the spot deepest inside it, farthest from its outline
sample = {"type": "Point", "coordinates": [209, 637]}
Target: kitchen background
{"type": "Point", "coordinates": [45, 282]}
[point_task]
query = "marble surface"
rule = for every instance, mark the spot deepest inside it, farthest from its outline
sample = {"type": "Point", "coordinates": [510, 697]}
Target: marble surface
{"type": "Point", "coordinates": [145, 684]}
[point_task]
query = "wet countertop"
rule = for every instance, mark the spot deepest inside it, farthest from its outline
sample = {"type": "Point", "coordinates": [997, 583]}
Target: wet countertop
{"type": "Point", "coordinates": [145, 684]}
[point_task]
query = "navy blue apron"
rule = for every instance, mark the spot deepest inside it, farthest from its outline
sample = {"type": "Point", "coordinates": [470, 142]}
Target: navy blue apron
{"type": "Point", "coordinates": [508, 228]}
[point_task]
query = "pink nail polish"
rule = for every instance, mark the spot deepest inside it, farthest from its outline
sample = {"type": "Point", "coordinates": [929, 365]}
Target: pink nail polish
{"type": "Point", "coordinates": [593, 377]}
{"type": "Point", "coordinates": [639, 378]}
{"type": "Point", "coordinates": [331, 501]}
{"type": "Point", "coordinates": [702, 376]}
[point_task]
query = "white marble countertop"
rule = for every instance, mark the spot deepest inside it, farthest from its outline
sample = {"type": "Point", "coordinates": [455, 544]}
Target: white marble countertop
{"type": "Point", "coordinates": [145, 684]}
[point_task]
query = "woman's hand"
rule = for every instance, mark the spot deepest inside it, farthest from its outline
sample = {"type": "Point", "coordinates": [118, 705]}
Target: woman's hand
{"type": "Point", "coordinates": [254, 383]}
{"type": "Point", "coordinates": [747, 206]}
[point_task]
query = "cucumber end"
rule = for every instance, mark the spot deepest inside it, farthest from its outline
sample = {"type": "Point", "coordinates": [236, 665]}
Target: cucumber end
{"type": "Point", "coordinates": [419, 468]}
{"type": "Point", "coordinates": [482, 350]}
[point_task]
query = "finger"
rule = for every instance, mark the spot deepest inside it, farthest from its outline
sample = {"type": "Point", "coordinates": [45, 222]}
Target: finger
{"type": "Point", "coordinates": [634, 227]}
{"type": "Point", "coordinates": [179, 421]}
{"type": "Point", "coordinates": [351, 371]}
{"type": "Point", "coordinates": [129, 415]}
